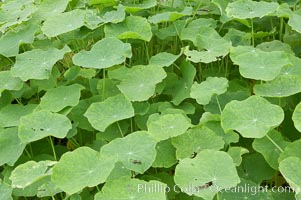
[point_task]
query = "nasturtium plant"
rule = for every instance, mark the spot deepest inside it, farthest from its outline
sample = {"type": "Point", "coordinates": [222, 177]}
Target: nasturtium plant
{"type": "Point", "coordinates": [104, 54]}
{"type": "Point", "coordinates": [150, 99]}
{"type": "Point", "coordinates": [252, 118]}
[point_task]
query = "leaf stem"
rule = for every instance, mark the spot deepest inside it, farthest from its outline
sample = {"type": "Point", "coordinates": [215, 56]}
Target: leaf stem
{"type": "Point", "coordinates": [274, 143]}
{"type": "Point", "coordinates": [121, 133]}
{"type": "Point", "coordinates": [219, 105]}
{"type": "Point", "coordinates": [252, 32]}
{"type": "Point", "coordinates": [103, 84]}
{"type": "Point", "coordinates": [52, 147]}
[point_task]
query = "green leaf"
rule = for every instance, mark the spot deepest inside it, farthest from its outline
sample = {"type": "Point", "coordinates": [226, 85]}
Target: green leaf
{"type": "Point", "coordinates": [58, 98]}
{"type": "Point", "coordinates": [166, 126]}
{"type": "Point", "coordinates": [30, 172]}
{"type": "Point", "coordinates": [193, 29]}
{"type": "Point", "coordinates": [104, 54]}
{"type": "Point", "coordinates": [188, 146]}
{"type": "Point", "coordinates": [291, 150]}
{"type": "Point", "coordinates": [213, 44]}
{"type": "Point", "coordinates": [102, 114]}
{"type": "Point", "coordinates": [244, 9]}
{"type": "Point", "coordinates": [37, 63]}
{"type": "Point", "coordinates": [290, 169]}
{"type": "Point", "coordinates": [294, 21]}
{"type": "Point", "coordinates": [82, 168]}
{"type": "Point", "coordinates": [63, 23]}
{"type": "Point", "coordinates": [49, 8]}
{"type": "Point", "coordinates": [10, 114]}
{"type": "Point", "coordinates": [182, 87]}
{"type": "Point", "coordinates": [270, 148]}
{"type": "Point", "coordinates": [236, 153]}
{"type": "Point", "coordinates": [10, 42]}
{"type": "Point", "coordinates": [209, 166]}
{"type": "Point", "coordinates": [297, 117]}
{"type": "Point", "coordinates": [265, 66]}
{"type": "Point", "coordinates": [282, 86]}
{"type": "Point", "coordinates": [252, 118]}
{"type": "Point", "coordinates": [8, 82]}
{"type": "Point", "coordinates": [11, 146]}
{"type": "Point", "coordinates": [169, 16]}
{"type": "Point", "coordinates": [41, 124]}
{"type": "Point", "coordinates": [5, 191]}
{"type": "Point", "coordinates": [131, 7]}
{"type": "Point", "coordinates": [138, 83]}
{"type": "Point", "coordinates": [204, 91]}
{"type": "Point", "coordinates": [133, 27]}
{"type": "Point", "coordinates": [136, 151]}
{"type": "Point", "coordinates": [134, 189]}
{"type": "Point", "coordinates": [166, 154]}
{"type": "Point", "coordinates": [163, 59]}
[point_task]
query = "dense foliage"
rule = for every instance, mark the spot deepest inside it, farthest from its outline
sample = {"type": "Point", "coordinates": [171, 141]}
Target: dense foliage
{"type": "Point", "coordinates": [150, 100]}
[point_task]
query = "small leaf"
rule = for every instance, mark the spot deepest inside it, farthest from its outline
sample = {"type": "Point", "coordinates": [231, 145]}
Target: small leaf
{"type": "Point", "coordinates": [187, 145]}
{"type": "Point", "coordinates": [102, 114]}
{"type": "Point", "coordinates": [268, 149]}
{"type": "Point", "coordinates": [58, 98]}
{"type": "Point", "coordinates": [138, 83]}
{"type": "Point", "coordinates": [166, 154]}
{"type": "Point", "coordinates": [82, 168]}
{"type": "Point", "coordinates": [5, 191]}
{"type": "Point", "coordinates": [37, 63]}
{"type": "Point", "coordinates": [104, 54]}
{"type": "Point", "coordinates": [236, 153]}
{"type": "Point", "coordinates": [294, 21]}
{"type": "Point", "coordinates": [293, 149]}
{"type": "Point", "coordinates": [41, 124]}
{"type": "Point", "coordinates": [169, 16]}
{"type": "Point", "coordinates": [297, 117]}
{"type": "Point", "coordinates": [131, 7]}
{"type": "Point", "coordinates": [204, 91]}
{"type": "Point", "coordinates": [133, 27]}
{"type": "Point", "coordinates": [209, 166]}
{"type": "Point", "coordinates": [252, 118]}
{"type": "Point", "coordinates": [11, 146]}
{"type": "Point", "coordinates": [63, 23]}
{"type": "Point", "coordinates": [166, 126]}
{"type": "Point", "coordinates": [8, 82]}
{"type": "Point", "coordinates": [136, 151]}
{"type": "Point", "coordinates": [163, 59]}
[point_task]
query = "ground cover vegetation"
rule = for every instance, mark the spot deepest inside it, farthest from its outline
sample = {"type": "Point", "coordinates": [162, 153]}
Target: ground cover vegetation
{"type": "Point", "coordinates": [150, 100]}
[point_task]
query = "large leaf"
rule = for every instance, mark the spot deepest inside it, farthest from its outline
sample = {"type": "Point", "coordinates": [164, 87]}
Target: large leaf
{"type": "Point", "coordinates": [133, 27]}
{"type": "Point", "coordinates": [82, 168]}
{"type": "Point", "coordinates": [37, 63]}
{"type": "Point", "coordinates": [102, 114]}
{"type": "Point", "coordinates": [244, 9]}
{"type": "Point", "coordinates": [206, 174]}
{"type": "Point", "coordinates": [252, 118]}
{"type": "Point", "coordinates": [104, 54]}
{"type": "Point", "coordinates": [136, 151]}
{"type": "Point", "coordinates": [139, 82]}
{"type": "Point", "coordinates": [257, 64]}
{"type": "Point", "coordinates": [63, 23]}
{"type": "Point", "coordinates": [41, 124]}
{"type": "Point", "coordinates": [58, 98]}
{"type": "Point", "coordinates": [204, 91]}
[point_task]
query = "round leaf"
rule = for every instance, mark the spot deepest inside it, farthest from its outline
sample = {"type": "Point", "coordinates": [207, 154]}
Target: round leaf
{"type": "Point", "coordinates": [82, 168]}
{"type": "Point", "coordinates": [206, 174]}
{"type": "Point", "coordinates": [104, 54]}
{"type": "Point", "coordinates": [41, 124]}
{"type": "Point", "coordinates": [252, 118]}
{"type": "Point", "coordinates": [297, 117]}
{"type": "Point", "coordinates": [136, 151]}
{"type": "Point", "coordinates": [204, 91]}
{"type": "Point", "coordinates": [102, 114]}
{"type": "Point", "coordinates": [7, 82]}
{"type": "Point", "coordinates": [166, 126]}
